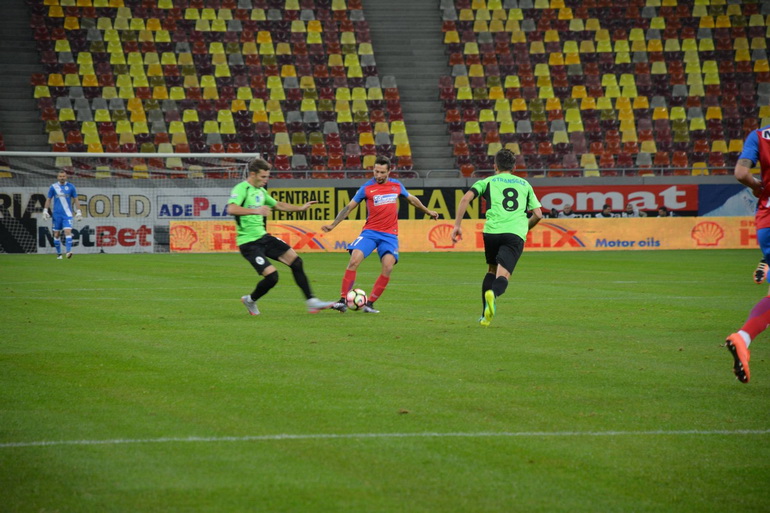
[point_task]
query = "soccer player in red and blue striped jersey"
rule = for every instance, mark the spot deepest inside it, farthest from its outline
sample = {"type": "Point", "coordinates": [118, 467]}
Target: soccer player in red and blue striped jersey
{"type": "Point", "coordinates": [380, 232]}
{"type": "Point", "coordinates": [755, 149]}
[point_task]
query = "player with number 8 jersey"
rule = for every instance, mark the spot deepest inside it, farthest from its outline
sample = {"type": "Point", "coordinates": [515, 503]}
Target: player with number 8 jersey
{"type": "Point", "coordinates": [509, 198]}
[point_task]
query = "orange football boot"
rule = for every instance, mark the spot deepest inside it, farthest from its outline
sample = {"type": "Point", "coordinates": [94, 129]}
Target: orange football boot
{"type": "Point", "coordinates": [741, 355]}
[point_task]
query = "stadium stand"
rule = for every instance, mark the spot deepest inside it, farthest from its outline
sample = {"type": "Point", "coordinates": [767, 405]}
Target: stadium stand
{"type": "Point", "coordinates": [294, 80]}
{"type": "Point", "coordinates": [591, 88]}
{"type": "Point", "coordinates": [575, 88]}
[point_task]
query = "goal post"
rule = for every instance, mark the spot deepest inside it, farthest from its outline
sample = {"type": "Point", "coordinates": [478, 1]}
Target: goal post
{"type": "Point", "coordinates": [127, 200]}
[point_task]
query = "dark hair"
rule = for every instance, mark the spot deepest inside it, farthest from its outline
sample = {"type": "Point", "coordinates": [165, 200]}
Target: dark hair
{"type": "Point", "coordinates": [505, 160]}
{"type": "Point", "coordinates": [257, 165]}
{"type": "Point", "coordinates": [382, 160]}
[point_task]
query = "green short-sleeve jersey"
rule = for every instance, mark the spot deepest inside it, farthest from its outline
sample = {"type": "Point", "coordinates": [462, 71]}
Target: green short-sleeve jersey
{"type": "Point", "coordinates": [508, 199]}
{"type": "Point", "coordinates": [250, 228]}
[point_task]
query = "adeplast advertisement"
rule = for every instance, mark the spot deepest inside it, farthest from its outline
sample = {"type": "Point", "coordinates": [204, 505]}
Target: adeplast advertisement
{"type": "Point", "coordinates": [549, 235]}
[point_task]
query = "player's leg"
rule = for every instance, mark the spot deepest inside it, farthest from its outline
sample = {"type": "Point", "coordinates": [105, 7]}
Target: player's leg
{"type": "Point", "coordinates": [57, 243]}
{"type": "Point", "coordinates": [387, 248]}
{"type": "Point", "coordinates": [359, 249]}
{"type": "Point", "coordinates": [348, 279]}
{"type": "Point", "coordinates": [759, 318]}
{"type": "Point", "coordinates": [57, 227]}
{"type": "Point", "coordinates": [68, 240]}
{"type": "Point", "coordinates": [388, 260]}
{"type": "Point", "coordinates": [491, 248]}
{"type": "Point", "coordinates": [253, 252]}
{"type": "Point", "coordinates": [486, 284]}
{"type": "Point", "coordinates": [760, 273]}
{"type": "Point", "coordinates": [509, 251]}
{"type": "Point", "coordinates": [294, 261]}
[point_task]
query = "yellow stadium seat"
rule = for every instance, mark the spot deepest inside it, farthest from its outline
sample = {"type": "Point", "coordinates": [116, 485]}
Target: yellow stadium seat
{"type": "Point", "coordinates": [137, 116]}
{"type": "Point", "coordinates": [403, 150]}
{"type": "Point", "coordinates": [62, 45]}
{"type": "Point", "coordinates": [592, 25]}
{"type": "Point", "coordinates": [735, 146]}
{"type": "Point", "coordinates": [66, 114]}
{"type": "Point", "coordinates": [622, 58]}
{"type": "Point", "coordinates": [348, 38]}
{"type": "Point", "coordinates": [472, 127]}
{"type": "Point", "coordinates": [579, 91]}
{"type": "Point", "coordinates": [677, 113]}
{"type": "Point", "coordinates": [344, 116]}
{"type": "Point", "coordinates": [660, 113]}
{"type": "Point", "coordinates": [658, 23]}
{"type": "Point", "coordinates": [699, 168]}
{"type": "Point", "coordinates": [628, 131]}
{"type": "Point", "coordinates": [176, 127]}
{"type": "Point", "coordinates": [587, 46]}
{"type": "Point", "coordinates": [56, 80]}
{"type": "Point", "coordinates": [512, 81]}
{"type": "Point", "coordinates": [537, 47]}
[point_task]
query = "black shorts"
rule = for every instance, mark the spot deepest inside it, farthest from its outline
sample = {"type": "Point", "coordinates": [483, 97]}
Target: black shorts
{"type": "Point", "coordinates": [503, 249]}
{"type": "Point", "coordinates": [257, 252]}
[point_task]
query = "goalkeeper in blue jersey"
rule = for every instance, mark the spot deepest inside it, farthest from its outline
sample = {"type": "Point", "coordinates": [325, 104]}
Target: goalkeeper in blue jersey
{"type": "Point", "coordinates": [508, 198]}
{"type": "Point", "coordinates": [63, 198]}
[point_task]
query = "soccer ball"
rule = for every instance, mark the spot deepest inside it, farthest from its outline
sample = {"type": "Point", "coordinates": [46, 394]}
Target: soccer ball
{"type": "Point", "coordinates": [356, 299]}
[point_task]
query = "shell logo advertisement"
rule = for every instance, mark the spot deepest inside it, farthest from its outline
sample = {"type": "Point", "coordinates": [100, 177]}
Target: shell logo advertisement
{"type": "Point", "coordinates": [549, 235]}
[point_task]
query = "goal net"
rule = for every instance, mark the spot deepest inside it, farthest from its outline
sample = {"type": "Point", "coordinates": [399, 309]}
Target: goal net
{"type": "Point", "coordinates": [127, 200]}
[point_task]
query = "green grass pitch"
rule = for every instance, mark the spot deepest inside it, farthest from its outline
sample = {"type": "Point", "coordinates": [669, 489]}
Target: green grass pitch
{"type": "Point", "coordinates": [138, 383]}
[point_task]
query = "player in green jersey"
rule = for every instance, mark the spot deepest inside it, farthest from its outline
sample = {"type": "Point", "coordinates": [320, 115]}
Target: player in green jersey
{"type": "Point", "coordinates": [508, 198]}
{"type": "Point", "coordinates": [249, 203]}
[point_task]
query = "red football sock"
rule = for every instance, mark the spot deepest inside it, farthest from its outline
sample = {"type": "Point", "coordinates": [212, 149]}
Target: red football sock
{"type": "Point", "coordinates": [379, 287]}
{"type": "Point", "coordinates": [347, 281]}
{"type": "Point", "coordinates": [759, 318]}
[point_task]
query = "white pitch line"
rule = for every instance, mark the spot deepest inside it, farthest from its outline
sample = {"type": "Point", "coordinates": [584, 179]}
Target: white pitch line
{"type": "Point", "coordinates": [337, 436]}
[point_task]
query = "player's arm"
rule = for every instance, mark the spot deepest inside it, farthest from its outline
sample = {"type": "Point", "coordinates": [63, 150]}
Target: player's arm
{"type": "Point", "coordinates": [744, 175]}
{"type": "Point", "coordinates": [533, 207]}
{"type": "Point", "coordinates": [234, 209]}
{"type": "Point", "coordinates": [415, 201]}
{"type": "Point", "coordinates": [341, 216]}
{"type": "Point", "coordinates": [537, 215]}
{"type": "Point", "coordinates": [749, 155]}
{"type": "Point", "coordinates": [76, 205]}
{"type": "Point", "coordinates": [288, 207]}
{"type": "Point", "coordinates": [462, 207]}
{"type": "Point", "coordinates": [46, 207]}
